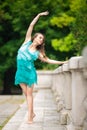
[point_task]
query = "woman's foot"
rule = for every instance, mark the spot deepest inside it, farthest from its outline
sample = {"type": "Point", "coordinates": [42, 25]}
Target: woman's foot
{"type": "Point", "coordinates": [30, 120]}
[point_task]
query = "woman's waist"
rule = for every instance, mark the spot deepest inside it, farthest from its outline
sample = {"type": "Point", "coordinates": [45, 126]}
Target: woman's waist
{"type": "Point", "coordinates": [25, 63]}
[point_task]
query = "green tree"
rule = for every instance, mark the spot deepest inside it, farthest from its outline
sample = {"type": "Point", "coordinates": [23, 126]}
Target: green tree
{"type": "Point", "coordinates": [79, 27]}
{"type": "Point", "coordinates": [72, 17]}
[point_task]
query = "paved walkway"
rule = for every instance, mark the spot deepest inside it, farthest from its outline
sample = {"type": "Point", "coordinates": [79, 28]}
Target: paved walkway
{"type": "Point", "coordinates": [47, 117]}
{"type": "Point", "coordinates": [8, 106]}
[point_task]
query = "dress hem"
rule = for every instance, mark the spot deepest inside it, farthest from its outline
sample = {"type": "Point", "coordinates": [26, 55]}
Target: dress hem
{"type": "Point", "coordinates": [29, 85]}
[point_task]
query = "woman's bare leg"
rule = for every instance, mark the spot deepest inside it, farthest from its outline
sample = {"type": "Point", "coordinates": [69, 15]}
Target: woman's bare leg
{"type": "Point", "coordinates": [28, 92]}
{"type": "Point", "coordinates": [30, 104]}
{"type": "Point", "coordinates": [24, 88]}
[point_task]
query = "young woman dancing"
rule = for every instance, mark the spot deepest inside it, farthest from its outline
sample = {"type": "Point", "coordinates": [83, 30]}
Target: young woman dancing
{"type": "Point", "coordinates": [26, 76]}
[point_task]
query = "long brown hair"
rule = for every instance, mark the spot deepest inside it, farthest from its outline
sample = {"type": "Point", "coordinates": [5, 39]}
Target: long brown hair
{"type": "Point", "coordinates": [41, 47]}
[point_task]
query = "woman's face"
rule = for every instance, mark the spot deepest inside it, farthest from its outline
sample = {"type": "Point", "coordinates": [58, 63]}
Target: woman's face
{"type": "Point", "coordinates": [39, 39]}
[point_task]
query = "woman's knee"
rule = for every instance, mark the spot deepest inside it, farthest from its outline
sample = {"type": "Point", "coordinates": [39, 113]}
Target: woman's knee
{"type": "Point", "coordinates": [29, 91]}
{"type": "Point", "coordinates": [24, 88]}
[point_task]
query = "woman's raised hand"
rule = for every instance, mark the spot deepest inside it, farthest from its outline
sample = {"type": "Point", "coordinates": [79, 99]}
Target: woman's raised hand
{"type": "Point", "coordinates": [44, 13]}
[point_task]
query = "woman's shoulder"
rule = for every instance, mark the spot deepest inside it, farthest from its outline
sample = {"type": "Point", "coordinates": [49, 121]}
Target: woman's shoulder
{"type": "Point", "coordinates": [27, 42]}
{"type": "Point", "coordinates": [25, 45]}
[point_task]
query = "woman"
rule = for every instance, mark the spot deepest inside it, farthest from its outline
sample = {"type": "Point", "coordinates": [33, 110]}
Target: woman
{"type": "Point", "coordinates": [26, 76]}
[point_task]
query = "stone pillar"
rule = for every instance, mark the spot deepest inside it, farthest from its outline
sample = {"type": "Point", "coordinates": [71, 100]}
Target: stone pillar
{"type": "Point", "coordinates": [67, 87]}
{"type": "Point", "coordinates": [65, 116]}
{"type": "Point", "coordinates": [59, 82]}
{"type": "Point", "coordinates": [78, 94]}
{"type": "Point", "coordinates": [60, 85]}
{"type": "Point", "coordinates": [54, 84]}
{"type": "Point", "coordinates": [84, 53]}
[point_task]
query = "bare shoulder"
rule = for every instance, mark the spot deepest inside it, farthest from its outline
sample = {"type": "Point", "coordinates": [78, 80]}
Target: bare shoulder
{"type": "Point", "coordinates": [27, 40]}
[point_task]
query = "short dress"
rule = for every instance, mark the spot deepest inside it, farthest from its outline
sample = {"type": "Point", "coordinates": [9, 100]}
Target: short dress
{"type": "Point", "coordinates": [26, 72]}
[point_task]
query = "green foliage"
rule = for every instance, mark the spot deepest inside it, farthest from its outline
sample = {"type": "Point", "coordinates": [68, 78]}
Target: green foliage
{"type": "Point", "coordinates": [74, 18]}
{"type": "Point", "coordinates": [64, 44]}
{"type": "Point", "coordinates": [63, 20]}
{"type": "Point", "coordinates": [76, 6]}
{"type": "Point", "coordinates": [79, 27]}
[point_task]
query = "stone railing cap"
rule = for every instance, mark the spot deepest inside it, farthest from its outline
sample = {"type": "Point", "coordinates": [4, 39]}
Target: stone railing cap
{"type": "Point", "coordinates": [74, 62]}
{"type": "Point", "coordinates": [81, 63]}
{"type": "Point", "coordinates": [65, 67]}
{"type": "Point", "coordinates": [44, 72]}
{"type": "Point", "coordinates": [59, 69]}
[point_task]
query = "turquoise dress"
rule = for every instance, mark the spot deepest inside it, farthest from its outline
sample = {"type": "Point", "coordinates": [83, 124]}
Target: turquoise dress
{"type": "Point", "coordinates": [26, 72]}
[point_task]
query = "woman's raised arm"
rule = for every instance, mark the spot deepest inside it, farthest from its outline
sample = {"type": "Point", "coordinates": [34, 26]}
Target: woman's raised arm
{"type": "Point", "coordinates": [31, 26]}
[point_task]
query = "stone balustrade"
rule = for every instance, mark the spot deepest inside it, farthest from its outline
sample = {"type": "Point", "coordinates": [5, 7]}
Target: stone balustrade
{"type": "Point", "coordinates": [70, 88]}
{"type": "Point", "coordinates": [69, 84]}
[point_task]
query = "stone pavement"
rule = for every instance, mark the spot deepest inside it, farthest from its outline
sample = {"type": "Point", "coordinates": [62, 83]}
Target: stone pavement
{"type": "Point", "coordinates": [47, 117]}
{"type": "Point", "coordinates": [9, 104]}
